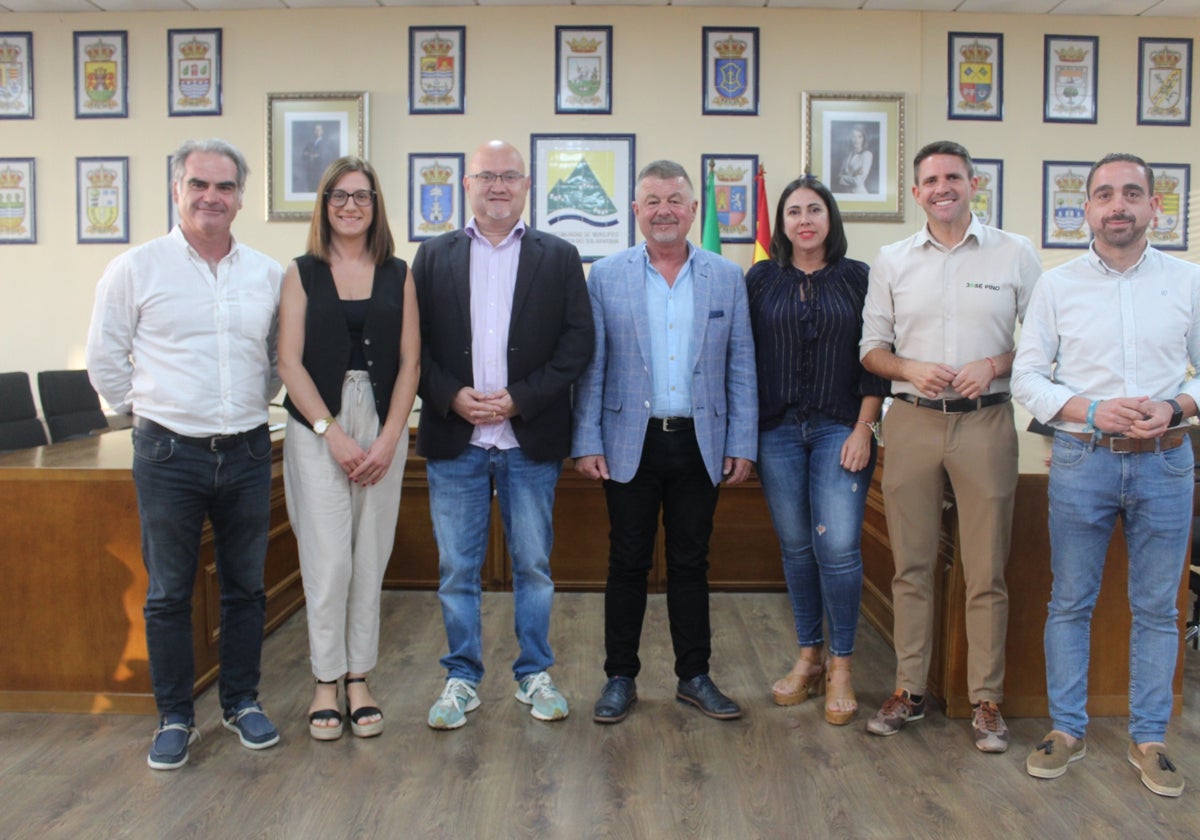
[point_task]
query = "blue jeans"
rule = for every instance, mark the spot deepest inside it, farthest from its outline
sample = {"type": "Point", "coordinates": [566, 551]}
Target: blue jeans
{"type": "Point", "coordinates": [1152, 493]}
{"type": "Point", "coordinates": [178, 485]}
{"type": "Point", "coordinates": [817, 509]}
{"type": "Point", "coordinates": [460, 500]}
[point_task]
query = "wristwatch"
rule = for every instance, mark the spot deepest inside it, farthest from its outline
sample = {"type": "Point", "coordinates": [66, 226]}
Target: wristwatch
{"type": "Point", "coordinates": [1177, 417]}
{"type": "Point", "coordinates": [322, 425]}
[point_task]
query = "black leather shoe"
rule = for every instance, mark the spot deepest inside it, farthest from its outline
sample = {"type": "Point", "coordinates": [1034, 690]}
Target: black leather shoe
{"type": "Point", "coordinates": [702, 693]}
{"type": "Point", "coordinates": [617, 697]}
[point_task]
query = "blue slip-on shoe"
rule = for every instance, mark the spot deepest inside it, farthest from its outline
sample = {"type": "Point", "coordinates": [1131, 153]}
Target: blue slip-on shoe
{"type": "Point", "coordinates": [169, 750]}
{"type": "Point", "coordinates": [616, 699]}
{"type": "Point", "coordinates": [253, 727]}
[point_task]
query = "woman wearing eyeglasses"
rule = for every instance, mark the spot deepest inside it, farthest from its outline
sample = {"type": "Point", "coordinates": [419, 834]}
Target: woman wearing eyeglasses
{"type": "Point", "coordinates": [349, 348]}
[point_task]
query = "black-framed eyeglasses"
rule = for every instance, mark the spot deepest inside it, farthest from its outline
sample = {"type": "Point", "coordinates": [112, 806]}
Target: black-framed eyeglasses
{"type": "Point", "coordinates": [510, 179]}
{"type": "Point", "coordinates": [338, 198]}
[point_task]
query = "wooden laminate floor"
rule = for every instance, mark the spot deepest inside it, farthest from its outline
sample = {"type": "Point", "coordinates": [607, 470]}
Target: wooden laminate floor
{"type": "Point", "coordinates": [666, 772]}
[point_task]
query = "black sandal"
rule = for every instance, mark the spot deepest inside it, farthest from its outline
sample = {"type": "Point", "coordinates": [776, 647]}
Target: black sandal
{"type": "Point", "coordinates": [363, 730]}
{"type": "Point", "coordinates": [326, 733]}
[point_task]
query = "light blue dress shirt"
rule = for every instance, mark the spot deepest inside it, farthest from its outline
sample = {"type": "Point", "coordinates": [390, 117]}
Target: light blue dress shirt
{"type": "Point", "coordinates": [671, 311]}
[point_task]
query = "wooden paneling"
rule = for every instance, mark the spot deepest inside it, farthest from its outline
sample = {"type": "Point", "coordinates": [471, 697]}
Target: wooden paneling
{"type": "Point", "coordinates": [744, 552]}
{"type": "Point", "coordinates": [76, 582]}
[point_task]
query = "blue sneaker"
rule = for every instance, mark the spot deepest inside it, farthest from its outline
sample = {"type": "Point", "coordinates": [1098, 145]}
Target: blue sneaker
{"type": "Point", "coordinates": [450, 709]}
{"type": "Point", "coordinates": [169, 750]}
{"type": "Point", "coordinates": [538, 690]}
{"type": "Point", "coordinates": [253, 727]}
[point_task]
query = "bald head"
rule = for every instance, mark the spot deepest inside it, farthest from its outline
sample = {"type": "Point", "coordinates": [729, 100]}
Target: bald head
{"type": "Point", "coordinates": [497, 205]}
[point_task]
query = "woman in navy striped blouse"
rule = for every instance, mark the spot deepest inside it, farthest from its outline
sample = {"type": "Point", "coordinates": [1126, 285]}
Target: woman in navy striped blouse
{"type": "Point", "coordinates": [816, 450]}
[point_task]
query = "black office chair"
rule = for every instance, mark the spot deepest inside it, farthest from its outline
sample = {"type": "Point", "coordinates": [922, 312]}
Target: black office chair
{"type": "Point", "coordinates": [70, 404]}
{"type": "Point", "coordinates": [19, 424]}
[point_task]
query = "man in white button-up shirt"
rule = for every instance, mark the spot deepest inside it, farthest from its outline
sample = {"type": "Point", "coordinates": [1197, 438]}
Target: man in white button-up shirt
{"type": "Point", "coordinates": [939, 318]}
{"type": "Point", "coordinates": [1104, 358]}
{"type": "Point", "coordinates": [183, 336]}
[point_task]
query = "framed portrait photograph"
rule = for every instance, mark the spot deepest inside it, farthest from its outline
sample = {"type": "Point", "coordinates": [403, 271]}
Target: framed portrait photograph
{"type": "Point", "coordinates": [194, 72]}
{"type": "Point", "coordinates": [18, 202]}
{"type": "Point", "coordinates": [16, 75]}
{"type": "Point", "coordinates": [101, 74]}
{"type": "Point", "coordinates": [1164, 81]}
{"type": "Point", "coordinates": [1069, 78]}
{"type": "Point", "coordinates": [730, 70]}
{"type": "Point", "coordinates": [1063, 222]}
{"type": "Point", "coordinates": [736, 209]}
{"type": "Point", "coordinates": [1172, 185]}
{"type": "Point", "coordinates": [583, 190]}
{"type": "Point", "coordinates": [102, 199]}
{"type": "Point", "coordinates": [305, 133]}
{"type": "Point", "coordinates": [435, 194]}
{"type": "Point", "coordinates": [854, 143]}
{"type": "Point", "coordinates": [975, 76]}
{"type": "Point", "coordinates": [437, 69]}
{"type": "Point", "coordinates": [583, 69]}
{"type": "Point", "coordinates": [988, 203]}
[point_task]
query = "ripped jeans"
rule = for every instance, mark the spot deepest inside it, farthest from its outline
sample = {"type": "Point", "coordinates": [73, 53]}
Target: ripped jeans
{"type": "Point", "coordinates": [817, 509]}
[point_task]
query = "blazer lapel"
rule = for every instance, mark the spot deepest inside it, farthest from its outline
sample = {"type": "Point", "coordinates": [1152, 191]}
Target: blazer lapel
{"type": "Point", "coordinates": [527, 265]}
{"type": "Point", "coordinates": [635, 291]}
{"type": "Point", "coordinates": [701, 301]}
{"type": "Point", "coordinates": [460, 276]}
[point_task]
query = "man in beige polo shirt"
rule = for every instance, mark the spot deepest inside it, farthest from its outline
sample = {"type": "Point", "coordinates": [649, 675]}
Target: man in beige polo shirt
{"type": "Point", "coordinates": [939, 318]}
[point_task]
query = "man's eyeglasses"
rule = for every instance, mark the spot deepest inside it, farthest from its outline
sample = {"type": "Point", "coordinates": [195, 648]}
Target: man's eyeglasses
{"type": "Point", "coordinates": [510, 179]}
{"type": "Point", "coordinates": [338, 198]}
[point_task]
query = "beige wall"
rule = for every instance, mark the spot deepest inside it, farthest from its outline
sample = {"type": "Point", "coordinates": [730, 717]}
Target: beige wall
{"type": "Point", "coordinates": [47, 288]}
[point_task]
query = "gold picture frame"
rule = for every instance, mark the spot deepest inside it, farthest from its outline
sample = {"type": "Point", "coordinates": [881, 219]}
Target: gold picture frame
{"type": "Point", "coordinates": [854, 143]}
{"type": "Point", "coordinates": [305, 133]}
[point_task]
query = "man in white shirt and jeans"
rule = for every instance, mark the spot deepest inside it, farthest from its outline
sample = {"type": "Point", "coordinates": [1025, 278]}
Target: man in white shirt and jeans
{"type": "Point", "coordinates": [1104, 357]}
{"type": "Point", "coordinates": [183, 335]}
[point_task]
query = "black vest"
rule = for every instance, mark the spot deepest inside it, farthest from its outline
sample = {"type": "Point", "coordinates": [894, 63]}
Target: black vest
{"type": "Point", "coordinates": [327, 338]}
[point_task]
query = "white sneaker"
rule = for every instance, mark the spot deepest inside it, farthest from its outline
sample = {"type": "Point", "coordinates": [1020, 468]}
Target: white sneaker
{"type": "Point", "coordinates": [538, 690]}
{"type": "Point", "coordinates": [450, 710]}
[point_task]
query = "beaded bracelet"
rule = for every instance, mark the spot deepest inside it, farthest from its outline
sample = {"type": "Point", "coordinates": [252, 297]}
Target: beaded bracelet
{"type": "Point", "coordinates": [1090, 426]}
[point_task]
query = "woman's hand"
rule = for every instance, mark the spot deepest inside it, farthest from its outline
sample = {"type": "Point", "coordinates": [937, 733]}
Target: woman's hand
{"type": "Point", "coordinates": [856, 451]}
{"type": "Point", "coordinates": [344, 449]}
{"type": "Point", "coordinates": [376, 462]}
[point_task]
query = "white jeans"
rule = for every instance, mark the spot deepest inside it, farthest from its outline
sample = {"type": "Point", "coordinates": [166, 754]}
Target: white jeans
{"type": "Point", "coordinates": [345, 533]}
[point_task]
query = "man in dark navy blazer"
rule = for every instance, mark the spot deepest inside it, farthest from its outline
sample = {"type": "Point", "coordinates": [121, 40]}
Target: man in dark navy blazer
{"type": "Point", "coordinates": [506, 329]}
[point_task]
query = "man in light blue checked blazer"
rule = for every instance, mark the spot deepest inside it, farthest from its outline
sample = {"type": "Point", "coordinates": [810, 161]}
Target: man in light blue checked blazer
{"type": "Point", "coordinates": [667, 409]}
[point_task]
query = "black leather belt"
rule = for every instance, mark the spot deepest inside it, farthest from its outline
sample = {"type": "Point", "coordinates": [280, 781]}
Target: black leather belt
{"type": "Point", "coordinates": [215, 443]}
{"type": "Point", "coordinates": [959, 406]}
{"type": "Point", "coordinates": [1124, 445]}
{"type": "Point", "coordinates": [672, 424]}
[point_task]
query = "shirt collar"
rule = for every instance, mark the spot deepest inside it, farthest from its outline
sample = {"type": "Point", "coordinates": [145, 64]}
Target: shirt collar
{"type": "Point", "coordinates": [691, 257]}
{"type": "Point", "coordinates": [176, 234]}
{"type": "Point", "coordinates": [975, 230]}
{"type": "Point", "coordinates": [472, 230]}
{"type": "Point", "coordinates": [1100, 265]}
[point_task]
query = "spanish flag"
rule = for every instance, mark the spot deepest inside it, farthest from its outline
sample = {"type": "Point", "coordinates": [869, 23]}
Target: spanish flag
{"type": "Point", "coordinates": [762, 236]}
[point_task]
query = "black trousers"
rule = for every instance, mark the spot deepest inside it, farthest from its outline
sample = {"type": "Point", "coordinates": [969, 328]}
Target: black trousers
{"type": "Point", "coordinates": [671, 478]}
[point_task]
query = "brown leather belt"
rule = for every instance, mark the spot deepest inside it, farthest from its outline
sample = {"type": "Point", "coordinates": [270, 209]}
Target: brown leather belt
{"type": "Point", "coordinates": [959, 406]}
{"type": "Point", "coordinates": [1126, 445]}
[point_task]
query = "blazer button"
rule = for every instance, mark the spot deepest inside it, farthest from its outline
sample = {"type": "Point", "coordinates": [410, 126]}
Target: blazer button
{"type": "Point", "coordinates": [366, 341]}
{"type": "Point", "coordinates": [646, 404]}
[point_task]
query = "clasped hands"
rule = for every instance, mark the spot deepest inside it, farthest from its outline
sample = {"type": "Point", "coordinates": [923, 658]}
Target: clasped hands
{"type": "Point", "coordinates": [480, 409]}
{"type": "Point", "coordinates": [933, 378]}
{"type": "Point", "coordinates": [1135, 417]}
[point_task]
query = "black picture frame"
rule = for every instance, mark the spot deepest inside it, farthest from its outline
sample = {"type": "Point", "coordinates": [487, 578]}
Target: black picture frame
{"type": "Point", "coordinates": [975, 76]}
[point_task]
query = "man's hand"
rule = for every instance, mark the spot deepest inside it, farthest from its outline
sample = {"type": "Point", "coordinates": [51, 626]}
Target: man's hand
{"type": "Point", "coordinates": [973, 379]}
{"type": "Point", "coordinates": [1156, 419]}
{"type": "Point", "coordinates": [502, 405]}
{"type": "Point", "coordinates": [930, 378]}
{"type": "Point", "coordinates": [592, 466]}
{"type": "Point", "coordinates": [735, 470]}
{"type": "Point", "coordinates": [477, 408]}
{"type": "Point", "coordinates": [1117, 416]}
